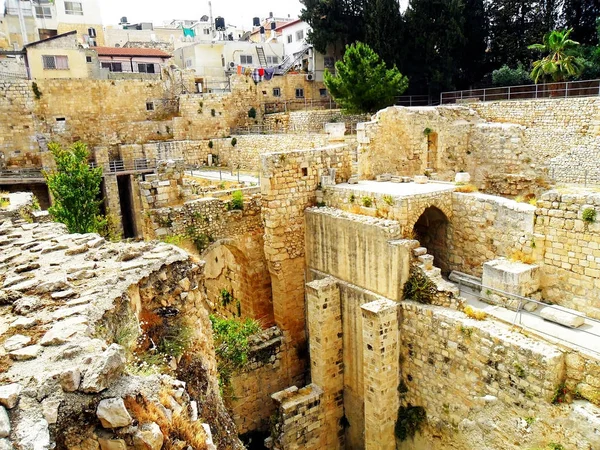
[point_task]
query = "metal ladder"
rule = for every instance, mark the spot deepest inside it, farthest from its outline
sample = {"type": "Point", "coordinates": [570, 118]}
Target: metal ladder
{"type": "Point", "coordinates": [262, 59]}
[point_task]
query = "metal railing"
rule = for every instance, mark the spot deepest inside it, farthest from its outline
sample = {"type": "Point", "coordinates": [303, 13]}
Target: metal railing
{"type": "Point", "coordinates": [21, 174]}
{"type": "Point", "coordinates": [299, 105]}
{"type": "Point", "coordinates": [414, 100]}
{"type": "Point", "coordinates": [518, 302]}
{"type": "Point", "coordinates": [587, 88]}
{"type": "Point", "coordinates": [137, 165]}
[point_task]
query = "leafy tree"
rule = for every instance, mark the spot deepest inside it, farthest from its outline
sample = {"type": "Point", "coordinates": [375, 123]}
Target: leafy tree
{"type": "Point", "coordinates": [582, 16]}
{"type": "Point", "coordinates": [505, 76]}
{"type": "Point", "coordinates": [472, 58]}
{"type": "Point", "coordinates": [435, 40]}
{"type": "Point", "coordinates": [560, 63]}
{"type": "Point", "coordinates": [383, 25]}
{"type": "Point", "coordinates": [75, 188]}
{"type": "Point", "coordinates": [362, 82]}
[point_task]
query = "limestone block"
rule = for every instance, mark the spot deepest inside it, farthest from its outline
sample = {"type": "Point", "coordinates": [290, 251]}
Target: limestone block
{"type": "Point", "coordinates": [511, 276]}
{"type": "Point", "coordinates": [421, 179]}
{"type": "Point", "coordinates": [563, 316]}
{"type": "Point", "coordinates": [113, 414]}
{"type": "Point", "coordinates": [104, 370]}
{"type": "Point", "coordinates": [148, 437]}
{"type": "Point", "coordinates": [112, 444]}
{"type": "Point", "coordinates": [335, 129]}
{"type": "Point", "coordinates": [26, 353]}
{"type": "Point", "coordinates": [9, 394]}
{"type": "Point", "coordinates": [50, 410]}
{"type": "Point", "coordinates": [70, 379]}
{"type": "Point", "coordinates": [4, 423]}
{"type": "Point", "coordinates": [16, 342]}
{"type": "Point", "coordinates": [462, 177]}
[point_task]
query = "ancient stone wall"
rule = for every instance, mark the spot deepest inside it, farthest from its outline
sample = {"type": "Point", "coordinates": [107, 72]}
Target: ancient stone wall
{"type": "Point", "coordinates": [571, 271]}
{"type": "Point", "coordinates": [484, 227]}
{"type": "Point", "coordinates": [445, 140]}
{"type": "Point", "coordinates": [289, 182]}
{"type": "Point", "coordinates": [504, 398]}
{"type": "Point", "coordinates": [250, 402]}
{"type": "Point", "coordinates": [562, 133]}
{"type": "Point", "coordinates": [312, 121]}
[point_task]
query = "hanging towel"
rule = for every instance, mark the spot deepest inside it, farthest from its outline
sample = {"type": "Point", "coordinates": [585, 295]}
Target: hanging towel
{"type": "Point", "coordinates": [239, 70]}
{"type": "Point", "coordinates": [269, 73]}
{"type": "Point", "coordinates": [261, 72]}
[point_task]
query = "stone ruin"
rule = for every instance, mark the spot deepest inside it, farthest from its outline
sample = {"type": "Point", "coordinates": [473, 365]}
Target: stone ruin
{"type": "Point", "coordinates": [69, 309]}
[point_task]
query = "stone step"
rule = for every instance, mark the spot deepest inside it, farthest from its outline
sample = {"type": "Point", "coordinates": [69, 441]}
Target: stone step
{"type": "Point", "coordinates": [435, 274]}
{"type": "Point", "coordinates": [426, 261]}
{"type": "Point", "coordinates": [419, 251]}
{"type": "Point", "coordinates": [563, 316]}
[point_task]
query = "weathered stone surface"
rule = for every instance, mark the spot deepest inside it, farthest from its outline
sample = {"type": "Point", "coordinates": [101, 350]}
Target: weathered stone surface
{"type": "Point", "coordinates": [148, 437]}
{"type": "Point", "coordinates": [9, 394]}
{"type": "Point", "coordinates": [26, 353]}
{"type": "Point", "coordinates": [104, 369]}
{"type": "Point", "coordinates": [50, 410]}
{"type": "Point", "coordinates": [57, 282]}
{"type": "Point", "coordinates": [564, 316]}
{"type": "Point", "coordinates": [5, 444]}
{"type": "Point", "coordinates": [24, 322]}
{"type": "Point", "coordinates": [34, 435]}
{"type": "Point", "coordinates": [16, 342]}
{"type": "Point", "coordinates": [62, 331]}
{"type": "Point", "coordinates": [113, 414]}
{"type": "Point", "coordinates": [70, 379]}
{"type": "Point", "coordinates": [112, 444]}
{"type": "Point", "coordinates": [4, 423]}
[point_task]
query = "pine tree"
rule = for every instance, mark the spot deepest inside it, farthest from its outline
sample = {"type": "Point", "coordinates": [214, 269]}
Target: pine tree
{"type": "Point", "coordinates": [362, 82]}
{"type": "Point", "coordinates": [383, 25]}
{"type": "Point", "coordinates": [434, 41]}
{"type": "Point", "coordinates": [472, 65]}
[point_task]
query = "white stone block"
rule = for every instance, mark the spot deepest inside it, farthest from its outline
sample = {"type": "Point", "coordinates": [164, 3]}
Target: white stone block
{"type": "Point", "coordinates": [335, 129]}
{"type": "Point", "coordinates": [462, 177]}
{"type": "Point", "coordinates": [563, 316]}
{"type": "Point", "coordinates": [421, 179]}
{"type": "Point", "coordinates": [511, 276]}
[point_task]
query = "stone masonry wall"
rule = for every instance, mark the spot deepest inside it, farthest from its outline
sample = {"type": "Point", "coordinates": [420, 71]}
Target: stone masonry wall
{"type": "Point", "coordinates": [571, 271]}
{"type": "Point", "coordinates": [484, 227]}
{"type": "Point", "coordinates": [484, 386]}
{"type": "Point", "coordinates": [312, 121]}
{"type": "Point", "coordinates": [563, 132]}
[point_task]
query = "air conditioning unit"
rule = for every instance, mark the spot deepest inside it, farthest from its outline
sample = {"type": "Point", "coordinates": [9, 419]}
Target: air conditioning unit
{"type": "Point", "coordinates": [232, 65]}
{"type": "Point", "coordinates": [310, 77]}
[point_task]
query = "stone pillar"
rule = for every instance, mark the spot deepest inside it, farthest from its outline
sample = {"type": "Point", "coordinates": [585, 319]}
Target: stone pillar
{"type": "Point", "coordinates": [326, 356]}
{"type": "Point", "coordinates": [111, 200]}
{"type": "Point", "coordinates": [136, 204]}
{"type": "Point", "coordinates": [381, 373]}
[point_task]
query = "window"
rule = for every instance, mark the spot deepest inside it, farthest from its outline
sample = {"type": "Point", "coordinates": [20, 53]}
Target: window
{"type": "Point", "coordinates": [55, 62]}
{"type": "Point", "coordinates": [329, 62]}
{"type": "Point", "coordinates": [88, 59]}
{"type": "Point", "coordinates": [149, 106]}
{"type": "Point", "coordinates": [299, 35]}
{"type": "Point", "coordinates": [188, 63]}
{"type": "Point", "coordinates": [276, 92]}
{"type": "Point", "coordinates": [299, 93]}
{"type": "Point", "coordinates": [113, 66]}
{"type": "Point", "coordinates": [273, 60]}
{"type": "Point", "coordinates": [43, 12]}
{"type": "Point", "coordinates": [245, 59]}
{"type": "Point", "coordinates": [146, 68]}
{"type": "Point", "coordinates": [289, 39]}
{"type": "Point", "coordinates": [206, 31]}
{"type": "Point", "coordinates": [73, 8]}
{"type": "Point", "coordinates": [323, 92]}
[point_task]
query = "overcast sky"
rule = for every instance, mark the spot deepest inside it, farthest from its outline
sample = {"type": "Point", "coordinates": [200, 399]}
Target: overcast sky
{"type": "Point", "coordinates": [235, 12]}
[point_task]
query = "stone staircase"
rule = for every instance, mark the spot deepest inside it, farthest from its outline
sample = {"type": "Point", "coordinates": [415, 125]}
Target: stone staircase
{"type": "Point", "coordinates": [425, 262]}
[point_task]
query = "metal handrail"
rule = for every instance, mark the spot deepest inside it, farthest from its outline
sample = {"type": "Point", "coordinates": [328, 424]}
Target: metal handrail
{"type": "Point", "coordinates": [565, 89]}
{"type": "Point", "coordinates": [519, 311]}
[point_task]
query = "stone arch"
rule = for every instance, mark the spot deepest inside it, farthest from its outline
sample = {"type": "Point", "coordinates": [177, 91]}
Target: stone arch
{"type": "Point", "coordinates": [237, 280]}
{"type": "Point", "coordinates": [431, 230]}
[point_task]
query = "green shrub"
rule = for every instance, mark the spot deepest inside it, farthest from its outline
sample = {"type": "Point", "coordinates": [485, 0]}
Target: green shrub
{"type": "Point", "coordinates": [505, 76]}
{"type": "Point", "coordinates": [419, 288]}
{"type": "Point", "coordinates": [237, 200]}
{"type": "Point", "coordinates": [589, 215]}
{"type": "Point", "coordinates": [352, 198]}
{"type": "Point", "coordinates": [233, 142]}
{"type": "Point", "coordinates": [410, 420]}
{"type": "Point", "coordinates": [174, 239]}
{"type": "Point", "coordinates": [367, 201]}
{"type": "Point", "coordinates": [388, 199]}
{"type": "Point", "coordinates": [176, 339]}
{"type": "Point", "coordinates": [36, 90]}
{"type": "Point", "coordinates": [226, 297]}
{"type": "Point", "coordinates": [231, 344]}
{"type": "Point", "coordinates": [252, 113]}
{"type": "Point", "coordinates": [210, 144]}
{"type": "Point", "coordinates": [213, 112]}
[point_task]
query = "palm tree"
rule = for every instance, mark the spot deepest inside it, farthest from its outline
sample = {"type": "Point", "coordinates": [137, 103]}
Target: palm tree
{"type": "Point", "coordinates": [560, 63]}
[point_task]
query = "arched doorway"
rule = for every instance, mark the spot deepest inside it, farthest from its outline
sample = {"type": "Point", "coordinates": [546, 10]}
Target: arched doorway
{"type": "Point", "coordinates": [431, 230]}
{"type": "Point", "coordinates": [237, 285]}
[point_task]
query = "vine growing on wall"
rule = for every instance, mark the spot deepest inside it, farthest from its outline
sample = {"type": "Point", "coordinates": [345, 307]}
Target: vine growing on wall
{"type": "Point", "coordinates": [410, 420]}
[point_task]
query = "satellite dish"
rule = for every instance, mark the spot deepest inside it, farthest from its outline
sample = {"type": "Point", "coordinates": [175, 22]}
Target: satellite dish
{"type": "Point", "coordinates": [204, 18]}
